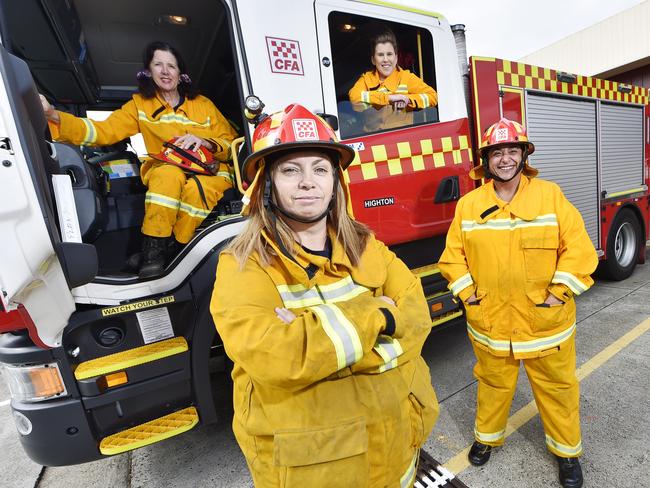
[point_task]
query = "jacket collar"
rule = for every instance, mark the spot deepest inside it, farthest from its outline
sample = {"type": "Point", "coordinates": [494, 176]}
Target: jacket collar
{"type": "Point", "coordinates": [371, 277]}
{"type": "Point", "coordinates": [163, 106]}
{"type": "Point", "coordinates": [522, 206]}
{"type": "Point", "coordinates": [391, 83]}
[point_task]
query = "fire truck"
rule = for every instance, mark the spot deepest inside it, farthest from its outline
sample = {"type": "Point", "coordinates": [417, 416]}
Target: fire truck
{"type": "Point", "coordinates": [100, 362]}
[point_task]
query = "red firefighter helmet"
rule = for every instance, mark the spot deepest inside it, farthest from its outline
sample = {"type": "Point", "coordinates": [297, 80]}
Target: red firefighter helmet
{"type": "Point", "coordinates": [504, 132]}
{"type": "Point", "coordinates": [198, 161]}
{"type": "Point", "coordinates": [295, 127]}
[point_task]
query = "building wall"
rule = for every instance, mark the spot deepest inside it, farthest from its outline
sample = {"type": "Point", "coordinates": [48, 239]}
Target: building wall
{"type": "Point", "coordinates": [638, 76]}
{"type": "Point", "coordinates": [618, 44]}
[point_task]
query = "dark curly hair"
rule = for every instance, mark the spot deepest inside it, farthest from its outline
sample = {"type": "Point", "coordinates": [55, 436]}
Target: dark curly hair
{"type": "Point", "coordinates": [147, 87]}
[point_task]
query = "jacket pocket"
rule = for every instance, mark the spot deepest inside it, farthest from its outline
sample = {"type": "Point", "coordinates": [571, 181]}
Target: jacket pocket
{"type": "Point", "coordinates": [475, 311]}
{"type": "Point", "coordinates": [424, 404]}
{"type": "Point", "coordinates": [549, 317]}
{"type": "Point", "coordinates": [540, 256]}
{"type": "Point", "coordinates": [343, 448]}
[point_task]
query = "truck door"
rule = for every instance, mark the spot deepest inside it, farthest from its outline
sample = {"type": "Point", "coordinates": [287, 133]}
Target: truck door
{"type": "Point", "coordinates": [31, 274]}
{"type": "Point", "coordinates": [412, 165]}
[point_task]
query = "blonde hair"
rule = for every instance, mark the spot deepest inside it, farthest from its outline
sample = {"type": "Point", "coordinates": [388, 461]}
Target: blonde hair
{"type": "Point", "coordinates": [352, 235]}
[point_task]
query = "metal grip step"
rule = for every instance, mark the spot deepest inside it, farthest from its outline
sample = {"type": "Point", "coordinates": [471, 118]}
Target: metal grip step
{"type": "Point", "coordinates": [133, 357]}
{"type": "Point", "coordinates": [150, 432]}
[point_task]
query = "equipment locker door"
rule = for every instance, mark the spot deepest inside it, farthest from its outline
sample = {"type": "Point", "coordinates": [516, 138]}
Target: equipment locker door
{"type": "Point", "coordinates": [564, 132]}
{"type": "Point", "coordinates": [408, 176]}
{"type": "Point", "coordinates": [621, 149]}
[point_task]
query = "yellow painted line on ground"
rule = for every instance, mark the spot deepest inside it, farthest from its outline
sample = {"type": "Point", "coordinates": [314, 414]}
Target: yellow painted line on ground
{"type": "Point", "coordinates": [459, 462]}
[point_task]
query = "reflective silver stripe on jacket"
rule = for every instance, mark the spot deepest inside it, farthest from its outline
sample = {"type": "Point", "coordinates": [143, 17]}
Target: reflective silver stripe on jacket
{"type": "Point", "coordinates": [341, 332]}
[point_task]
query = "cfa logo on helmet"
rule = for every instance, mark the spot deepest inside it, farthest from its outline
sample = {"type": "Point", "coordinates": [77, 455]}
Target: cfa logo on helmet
{"type": "Point", "coordinates": [305, 129]}
{"type": "Point", "coordinates": [501, 135]}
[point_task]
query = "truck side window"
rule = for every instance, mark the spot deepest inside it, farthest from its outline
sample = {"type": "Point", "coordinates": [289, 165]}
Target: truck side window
{"type": "Point", "coordinates": [362, 53]}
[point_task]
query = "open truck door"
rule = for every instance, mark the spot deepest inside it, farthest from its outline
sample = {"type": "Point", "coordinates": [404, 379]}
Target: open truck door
{"type": "Point", "coordinates": [38, 269]}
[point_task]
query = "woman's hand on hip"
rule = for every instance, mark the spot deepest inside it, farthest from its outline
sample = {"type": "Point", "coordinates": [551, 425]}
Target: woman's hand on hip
{"type": "Point", "coordinates": [192, 142]}
{"type": "Point", "coordinates": [286, 315]}
{"type": "Point", "coordinates": [552, 300]}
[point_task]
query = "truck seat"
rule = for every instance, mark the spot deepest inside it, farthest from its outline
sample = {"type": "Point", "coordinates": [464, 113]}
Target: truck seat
{"type": "Point", "coordinates": [89, 189]}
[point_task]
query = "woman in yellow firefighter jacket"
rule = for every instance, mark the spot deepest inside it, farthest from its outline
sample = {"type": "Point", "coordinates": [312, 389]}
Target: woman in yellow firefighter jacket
{"type": "Point", "coordinates": [166, 106]}
{"type": "Point", "coordinates": [389, 94]}
{"type": "Point", "coordinates": [517, 252]}
{"type": "Point", "coordinates": [323, 323]}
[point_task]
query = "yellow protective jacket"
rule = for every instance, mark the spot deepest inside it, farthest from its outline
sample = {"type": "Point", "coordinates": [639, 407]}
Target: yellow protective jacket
{"type": "Point", "coordinates": [511, 256]}
{"type": "Point", "coordinates": [328, 400]}
{"type": "Point", "coordinates": [155, 119]}
{"type": "Point", "coordinates": [370, 90]}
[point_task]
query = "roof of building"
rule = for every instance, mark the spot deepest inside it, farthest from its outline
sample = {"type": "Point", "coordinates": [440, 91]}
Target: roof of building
{"type": "Point", "coordinates": [617, 44]}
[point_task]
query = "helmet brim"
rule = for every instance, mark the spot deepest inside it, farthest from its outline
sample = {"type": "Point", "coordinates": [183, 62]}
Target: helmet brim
{"type": "Point", "coordinates": [252, 162]}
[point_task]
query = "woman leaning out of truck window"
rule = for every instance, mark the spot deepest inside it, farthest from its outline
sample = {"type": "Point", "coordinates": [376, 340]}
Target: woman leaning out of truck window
{"type": "Point", "coordinates": [390, 85]}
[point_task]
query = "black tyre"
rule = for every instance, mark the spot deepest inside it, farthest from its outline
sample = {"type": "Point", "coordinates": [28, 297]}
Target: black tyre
{"type": "Point", "coordinates": [622, 246]}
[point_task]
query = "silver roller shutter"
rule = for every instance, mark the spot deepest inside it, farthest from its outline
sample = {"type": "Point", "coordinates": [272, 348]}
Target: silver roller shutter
{"type": "Point", "coordinates": [621, 147]}
{"type": "Point", "coordinates": [564, 133]}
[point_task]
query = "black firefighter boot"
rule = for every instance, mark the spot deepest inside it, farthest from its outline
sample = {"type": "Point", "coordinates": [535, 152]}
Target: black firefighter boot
{"type": "Point", "coordinates": [479, 454]}
{"type": "Point", "coordinates": [154, 254]}
{"type": "Point", "coordinates": [570, 472]}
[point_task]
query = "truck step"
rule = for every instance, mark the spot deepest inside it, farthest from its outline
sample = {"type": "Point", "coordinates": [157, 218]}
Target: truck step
{"type": "Point", "coordinates": [431, 474]}
{"type": "Point", "coordinates": [424, 271]}
{"type": "Point", "coordinates": [441, 319]}
{"type": "Point", "coordinates": [150, 432]}
{"type": "Point", "coordinates": [132, 357]}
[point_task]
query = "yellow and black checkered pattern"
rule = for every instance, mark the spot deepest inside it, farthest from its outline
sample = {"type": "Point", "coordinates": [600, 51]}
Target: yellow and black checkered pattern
{"type": "Point", "coordinates": [409, 157]}
{"type": "Point", "coordinates": [526, 76]}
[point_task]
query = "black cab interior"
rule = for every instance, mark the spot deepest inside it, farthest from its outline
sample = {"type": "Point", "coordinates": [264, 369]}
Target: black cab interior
{"type": "Point", "coordinates": [84, 56]}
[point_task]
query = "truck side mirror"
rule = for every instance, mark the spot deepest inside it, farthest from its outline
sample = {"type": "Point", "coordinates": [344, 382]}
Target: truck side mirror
{"type": "Point", "coordinates": [332, 120]}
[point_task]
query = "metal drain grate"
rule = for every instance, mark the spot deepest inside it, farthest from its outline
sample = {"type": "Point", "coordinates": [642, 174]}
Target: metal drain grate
{"type": "Point", "coordinates": [431, 474]}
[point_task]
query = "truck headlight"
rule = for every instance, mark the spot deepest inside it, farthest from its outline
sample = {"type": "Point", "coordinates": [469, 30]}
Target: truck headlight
{"type": "Point", "coordinates": [34, 383]}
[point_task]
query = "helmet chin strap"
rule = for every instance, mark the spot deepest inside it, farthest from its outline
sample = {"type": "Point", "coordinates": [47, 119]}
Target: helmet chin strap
{"type": "Point", "coordinates": [489, 174]}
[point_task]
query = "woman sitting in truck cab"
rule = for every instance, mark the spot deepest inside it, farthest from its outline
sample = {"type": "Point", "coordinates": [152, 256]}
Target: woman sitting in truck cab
{"type": "Point", "coordinates": [392, 91]}
{"type": "Point", "coordinates": [167, 106]}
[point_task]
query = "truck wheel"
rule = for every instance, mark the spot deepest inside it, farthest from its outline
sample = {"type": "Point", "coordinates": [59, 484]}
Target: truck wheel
{"type": "Point", "coordinates": [622, 246]}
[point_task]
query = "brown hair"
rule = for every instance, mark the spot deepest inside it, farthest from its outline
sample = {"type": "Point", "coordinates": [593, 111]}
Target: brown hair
{"type": "Point", "coordinates": [352, 235]}
{"type": "Point", "coordinates": [147, 87]}
{"type": "Point", "coordinates": [385, 35]}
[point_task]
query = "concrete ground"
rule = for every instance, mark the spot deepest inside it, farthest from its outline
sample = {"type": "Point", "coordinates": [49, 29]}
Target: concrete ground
{"type": "Point", "coordinates": [614, 367]}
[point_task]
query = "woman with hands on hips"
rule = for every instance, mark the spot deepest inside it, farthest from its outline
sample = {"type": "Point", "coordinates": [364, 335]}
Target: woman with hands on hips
{"type": "Point", "coordinates": [167, 106]}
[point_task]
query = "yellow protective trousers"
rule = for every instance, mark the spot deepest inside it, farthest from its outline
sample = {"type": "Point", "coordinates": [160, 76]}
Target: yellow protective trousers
{"type": "Point", "coordinates": [555, 388]}
{"type": "Point", "coordinates": [173, 203]}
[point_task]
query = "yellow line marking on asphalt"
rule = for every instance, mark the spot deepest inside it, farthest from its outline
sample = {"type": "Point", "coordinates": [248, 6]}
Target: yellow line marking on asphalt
{"type": "Point", "coordinates": [459, 462]}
